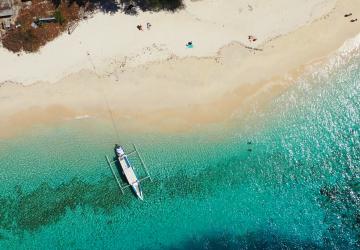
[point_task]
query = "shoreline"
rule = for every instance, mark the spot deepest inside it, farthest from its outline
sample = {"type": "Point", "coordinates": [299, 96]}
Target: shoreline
{"type": "Point", "coordinates": [175, 96]}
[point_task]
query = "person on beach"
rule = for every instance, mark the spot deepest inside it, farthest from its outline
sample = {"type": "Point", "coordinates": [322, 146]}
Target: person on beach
{"type": "Point", "coordinates": [252, 38]}
{"type": "Point", "coordinates": [353, 20]}
{"type": "Point", "coordinates": [148, 26]}
{"type": "Point", "coordinates": [347, 15]}
{"type": "Point", "coordinates": [139, 27]}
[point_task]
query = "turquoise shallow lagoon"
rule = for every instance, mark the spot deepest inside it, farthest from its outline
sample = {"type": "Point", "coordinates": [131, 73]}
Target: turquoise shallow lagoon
{"type": "Point", "coordinates": [287, 180]}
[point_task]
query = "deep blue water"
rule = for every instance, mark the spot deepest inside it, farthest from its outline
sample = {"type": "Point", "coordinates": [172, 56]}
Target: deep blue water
{"type": "Point", "coordinates": [287, 180]}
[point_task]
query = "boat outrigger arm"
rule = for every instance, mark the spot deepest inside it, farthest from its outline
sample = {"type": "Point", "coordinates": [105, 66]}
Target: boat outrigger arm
{"type": "Point", "coordinates": [128, 171]}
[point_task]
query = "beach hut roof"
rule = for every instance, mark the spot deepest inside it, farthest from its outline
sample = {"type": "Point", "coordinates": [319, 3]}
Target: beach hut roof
{"type": "Point", "coordinates": [6, 8]}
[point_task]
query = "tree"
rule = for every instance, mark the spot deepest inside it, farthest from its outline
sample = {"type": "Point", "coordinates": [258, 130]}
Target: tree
{"type": "Point", "coordinates": [59, 17]}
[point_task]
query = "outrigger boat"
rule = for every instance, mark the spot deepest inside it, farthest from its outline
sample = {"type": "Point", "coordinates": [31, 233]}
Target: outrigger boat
{"type": "Point", "coordinates": [129, 172]}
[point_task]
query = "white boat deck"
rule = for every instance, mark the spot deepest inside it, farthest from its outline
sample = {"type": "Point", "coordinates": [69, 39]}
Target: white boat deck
{"type": "Point", "coordinates": [128, 171]}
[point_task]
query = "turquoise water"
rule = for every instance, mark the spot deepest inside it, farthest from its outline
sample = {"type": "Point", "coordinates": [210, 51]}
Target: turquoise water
{"type": "Point", "coordinates": [288, 180]}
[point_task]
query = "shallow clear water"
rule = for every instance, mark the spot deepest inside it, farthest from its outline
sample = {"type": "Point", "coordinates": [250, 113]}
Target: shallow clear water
{"type": "Point", "coordinates": [290, 181]}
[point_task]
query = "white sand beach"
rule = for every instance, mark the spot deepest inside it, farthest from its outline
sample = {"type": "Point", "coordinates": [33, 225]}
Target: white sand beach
{"type": "Point", "coordinates": [114, 39]}
{"type": "Point", "coordinates": [157, 80]}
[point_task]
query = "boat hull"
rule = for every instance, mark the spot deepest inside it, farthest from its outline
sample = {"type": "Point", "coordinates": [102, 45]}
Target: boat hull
{"type": "Point", "coordinates": [136, 187]}
{"type": "Point", "coordinates": [128, 172]}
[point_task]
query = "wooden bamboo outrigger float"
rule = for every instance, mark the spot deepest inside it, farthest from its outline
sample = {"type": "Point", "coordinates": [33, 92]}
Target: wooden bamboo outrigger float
{"type": "Point", "coordinates": [128, 171]}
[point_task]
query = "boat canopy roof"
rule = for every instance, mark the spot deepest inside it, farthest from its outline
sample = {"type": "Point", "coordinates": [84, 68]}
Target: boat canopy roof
{"type": "Point", "coordinates": [120, 150]}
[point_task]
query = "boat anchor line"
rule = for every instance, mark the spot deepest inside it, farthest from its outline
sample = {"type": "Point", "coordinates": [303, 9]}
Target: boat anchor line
{"type": "Point", "coordinates": [118, 181]}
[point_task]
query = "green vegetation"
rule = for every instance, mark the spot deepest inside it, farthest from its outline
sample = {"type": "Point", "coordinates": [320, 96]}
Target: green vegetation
{"type": "Point", "coordinates": [29, 38]}
{"type": "Point", "coordinates": [59, 17]}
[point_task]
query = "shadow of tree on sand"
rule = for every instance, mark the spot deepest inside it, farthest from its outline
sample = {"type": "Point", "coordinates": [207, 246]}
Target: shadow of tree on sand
{"type": "Point", "coordinates": [126, 6]}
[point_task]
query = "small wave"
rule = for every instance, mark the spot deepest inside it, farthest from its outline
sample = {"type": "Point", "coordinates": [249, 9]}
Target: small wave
{"type": "Point", "coordinates": [350, 45]}
{"type": "Point", "coordinates": [335, 62]}
{"type": "Point", "coordinates": [81, 117]}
